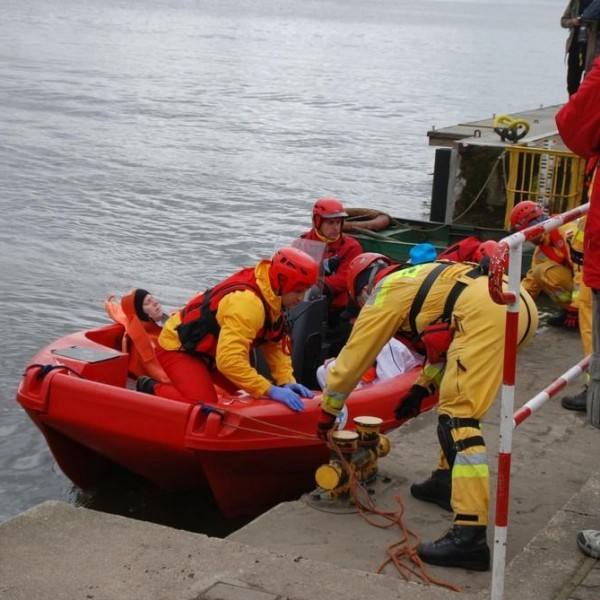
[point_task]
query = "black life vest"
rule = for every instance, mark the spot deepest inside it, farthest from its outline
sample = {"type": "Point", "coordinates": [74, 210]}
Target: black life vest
{"type": "Point", "coordinates": [199, 329]}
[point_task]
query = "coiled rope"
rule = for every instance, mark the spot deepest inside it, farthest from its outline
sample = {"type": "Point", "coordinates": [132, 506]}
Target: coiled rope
{"type": "Point", "coordinates": [406, 546]}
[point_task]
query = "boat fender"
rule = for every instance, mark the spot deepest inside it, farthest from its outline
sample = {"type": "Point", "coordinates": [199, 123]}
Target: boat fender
{"type": "Point", "coordinates": [366, 218]}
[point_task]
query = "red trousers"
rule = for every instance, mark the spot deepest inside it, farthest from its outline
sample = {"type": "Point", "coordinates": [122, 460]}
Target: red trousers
{"type": "Point", "coordinates": [192, 380]}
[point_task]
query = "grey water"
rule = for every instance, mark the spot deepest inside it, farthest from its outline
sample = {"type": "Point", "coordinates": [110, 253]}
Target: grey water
{"type": "Point", "coordinates": [165, 143]}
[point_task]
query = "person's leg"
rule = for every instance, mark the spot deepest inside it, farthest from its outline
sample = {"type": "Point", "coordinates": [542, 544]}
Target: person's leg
{"type": "Point", "coordinates": [190, 377]}
{"type": "Point", "coordinates": [593, 396]}
{"type": "Point", "coordinates": [578, 401]}
{"type": "Point", "coordinates": [575, 69]}
{"type": "Point", "coordinates": [471, 380]}
{"type": "Point", "coordinates": [556, 281]}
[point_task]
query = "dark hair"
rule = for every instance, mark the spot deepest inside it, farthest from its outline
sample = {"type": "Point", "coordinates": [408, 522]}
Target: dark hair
{"type": "Point", "coordinates": [138, 303]}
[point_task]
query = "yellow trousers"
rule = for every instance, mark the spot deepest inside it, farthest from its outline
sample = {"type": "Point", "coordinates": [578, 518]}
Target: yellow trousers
{"type": "Point", "coordinates": [553, 279]}
{"type": "Point", "coordinates": [469, 385]}
{"type": "Point", "coordinates": [585, 317]}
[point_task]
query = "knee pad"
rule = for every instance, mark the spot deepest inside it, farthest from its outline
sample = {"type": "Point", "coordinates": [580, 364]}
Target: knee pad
{"type": "Point", "coordinates": [444, 431]}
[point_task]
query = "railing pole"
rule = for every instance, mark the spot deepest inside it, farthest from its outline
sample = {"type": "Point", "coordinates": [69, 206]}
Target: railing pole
{"type": "Point", "coordinates": [511, 298]}
{"type": "Point", "coordinates": [506, 425]}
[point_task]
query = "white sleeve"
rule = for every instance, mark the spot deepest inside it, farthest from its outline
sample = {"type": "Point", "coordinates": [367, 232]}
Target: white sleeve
{"type": "Point", "coordinates": [394, 359]}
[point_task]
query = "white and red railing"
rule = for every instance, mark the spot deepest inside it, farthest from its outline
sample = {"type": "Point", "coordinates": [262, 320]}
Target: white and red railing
{"type": "Point", "coordinates": [509, 253]}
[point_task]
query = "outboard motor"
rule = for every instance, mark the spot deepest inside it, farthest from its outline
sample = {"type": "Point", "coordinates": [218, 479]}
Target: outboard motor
{"type": "Point", "coordinates": [309, 348]}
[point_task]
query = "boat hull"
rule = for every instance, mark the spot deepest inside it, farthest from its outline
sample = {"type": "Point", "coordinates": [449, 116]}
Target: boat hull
{"type": "Point", "coordinates": [251, 453]}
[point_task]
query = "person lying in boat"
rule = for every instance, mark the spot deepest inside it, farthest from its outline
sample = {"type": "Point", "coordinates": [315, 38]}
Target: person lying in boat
{"type": "Point", "coordinates": [142, 316]}
{"type": "Point", "coordinates": [448, 307]}
{"type": "Point", "coordinates": [328, 216]}
{"type": "Point", "coordinates": [209, 340]}
{"type": "Point", "coordinates": [394, 359]}
{"type": "Point", "coordinates": [553, 269]}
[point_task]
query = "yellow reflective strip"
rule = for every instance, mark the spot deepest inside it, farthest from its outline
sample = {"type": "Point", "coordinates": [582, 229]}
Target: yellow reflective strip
{"type": "Point", "coordinates": [470, 471]}
{"type": "Point", "coordinates": [382, 289]}
{"type": "Point", "coordinates": [333, 401]}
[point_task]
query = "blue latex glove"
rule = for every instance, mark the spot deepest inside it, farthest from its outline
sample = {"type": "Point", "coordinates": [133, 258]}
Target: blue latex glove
{"type": "Point", "coordinates": [299, 389]}
{"type": "Point", "coordinates": [287, 396]}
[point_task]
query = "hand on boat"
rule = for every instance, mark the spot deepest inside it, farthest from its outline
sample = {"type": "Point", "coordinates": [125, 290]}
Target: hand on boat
{"type": "Point", "coordinates": [410, 404]}
{"type": "Point", "coordinates": [300, 389]}
{"type": "Point", "coordinates": [286, 396]}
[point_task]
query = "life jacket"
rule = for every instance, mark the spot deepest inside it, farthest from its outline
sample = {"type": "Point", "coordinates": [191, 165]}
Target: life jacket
{"type": "Point", "coordinates": [462, 250]}
{"type": "Point", "coordinates": [555, 240]}
{"type": "Point", "coordinates": [436, 338]}
{"type": "Point", "coordinates": [139, 340]}
{"type": "Point", "coordinates": [199, 329]}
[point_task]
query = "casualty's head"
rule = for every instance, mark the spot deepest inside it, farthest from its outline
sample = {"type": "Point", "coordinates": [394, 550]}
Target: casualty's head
{"type": "Point", "coordinates": [146, 306]}
{"type": "Point", "coordinates": [328, 217]}
{"type": "Point", "coordinates": [362, 271]}
{"type": "Point", "coordinates": [527, 214]}
{"type": "Point", "coordinates": [291, 274]}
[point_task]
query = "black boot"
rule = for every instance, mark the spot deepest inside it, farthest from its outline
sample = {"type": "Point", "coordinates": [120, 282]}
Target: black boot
{"type": "Point", "coordinates": [436, 489]}
{"type": "Point", "coordinates": [577, 402]}
{"type": "Point", "coordinates": [145, 384]}
{"type": "Point", "coordinates": [463, 546]}
{"type": "Point", "coordinates": [558, 319]}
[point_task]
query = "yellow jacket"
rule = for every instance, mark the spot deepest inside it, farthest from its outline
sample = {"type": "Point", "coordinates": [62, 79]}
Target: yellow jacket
{"type": "Point", "coordinates": [477, 322]}
{"type": "Point", "coordinates": [386, 312]}
{"type": "Point", "coordinates": [241, 316]}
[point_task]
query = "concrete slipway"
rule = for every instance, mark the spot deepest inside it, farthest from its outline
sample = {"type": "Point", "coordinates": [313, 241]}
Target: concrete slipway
{"type": "Point", "coordinates": [297, 552]}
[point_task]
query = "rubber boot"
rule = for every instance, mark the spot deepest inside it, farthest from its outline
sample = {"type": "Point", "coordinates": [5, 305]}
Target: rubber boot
{"type": "Point", "coordinates": [464, 546]}
{"type": "Point", "coordinates": [436, 489]}
{"type": "Point", "coordinates": [558, 319]}
{"type": "Point", "coordinates": [145, 384]}
{"type": "Point", "coordinates": [577, 402]}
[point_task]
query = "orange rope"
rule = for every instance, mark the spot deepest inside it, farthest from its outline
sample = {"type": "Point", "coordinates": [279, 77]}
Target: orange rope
{"type": "Point", "coordinates": [297, 435]}
{"type": "Point", "coordinates": [400, 549]}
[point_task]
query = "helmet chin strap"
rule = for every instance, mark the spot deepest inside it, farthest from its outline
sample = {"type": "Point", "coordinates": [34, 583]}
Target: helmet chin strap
{"type": "Point", "coordinates": [326, 239]}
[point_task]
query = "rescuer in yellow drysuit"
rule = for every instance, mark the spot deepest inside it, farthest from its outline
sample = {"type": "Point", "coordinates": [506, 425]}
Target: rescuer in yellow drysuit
{"type": "Point", "coordinates": [553, 270]}
{"type": "Point", "coordinates": [467, 374]}
{"type": "Point", "coordinates": [582, 300]}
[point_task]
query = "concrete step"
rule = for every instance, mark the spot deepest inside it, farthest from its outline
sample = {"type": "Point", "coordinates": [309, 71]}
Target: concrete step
{"type": "Point", "coordinates": [296, 552]}
{"type": "Point", "coordinates": [554, 457]}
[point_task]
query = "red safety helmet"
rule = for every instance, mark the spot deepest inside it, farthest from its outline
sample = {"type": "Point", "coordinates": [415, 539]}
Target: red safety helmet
{"type": "Point", "coordinates": [327, 208]}
{"type": "Point", "coordinates": [292, 270]}
{"type": "Point", "coordinates": [524, 214]}
{"type": "Point", "coordinates": [371, 261]}
{"type": "Point", "coordinates": [484, 249]}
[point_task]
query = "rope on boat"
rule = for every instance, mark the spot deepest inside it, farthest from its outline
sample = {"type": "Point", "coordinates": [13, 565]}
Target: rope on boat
{"type": "Point", "coordinates": [45, 369]}
{"type": "Point", "coordinates": [297, 434]}
{"type": "Point", "coordinates": [396, 551]}
{"type": "Point", "coordinates": [493, 170]}
{"type": "Point", "coordinates": [376, 235]}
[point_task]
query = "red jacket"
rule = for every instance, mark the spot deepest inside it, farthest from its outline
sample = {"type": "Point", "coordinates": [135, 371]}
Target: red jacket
{"type": "Point", "coordinates": [342, 251]}
{"type": "Point", "coordinates": [578, 123]}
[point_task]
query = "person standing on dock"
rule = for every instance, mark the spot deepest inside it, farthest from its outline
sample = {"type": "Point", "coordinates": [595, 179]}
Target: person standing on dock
{"type": "Point", "coordinates": [448, 306]}
{"type": "Point", "coordinates": [328, 217]}
{"type": "Point", "coordinates": [577, 41]}
{"type": "Point", "coordinates": [578, 123]}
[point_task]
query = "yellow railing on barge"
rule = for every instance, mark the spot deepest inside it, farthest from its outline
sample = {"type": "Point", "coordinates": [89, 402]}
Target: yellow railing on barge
{"type": "Point", "coordinates": [550, 177]}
